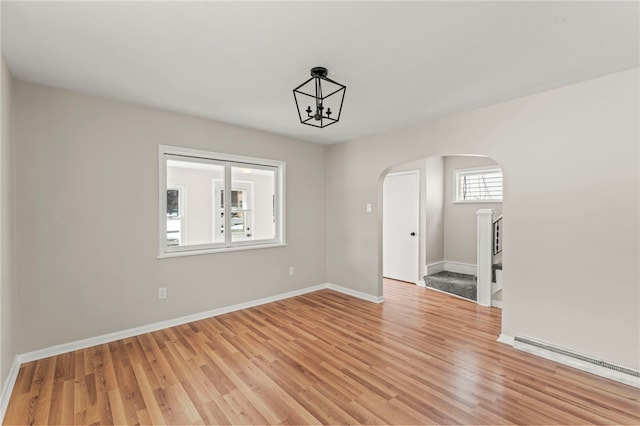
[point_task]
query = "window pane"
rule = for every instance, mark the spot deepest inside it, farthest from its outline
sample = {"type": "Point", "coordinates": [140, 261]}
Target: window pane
{"type": "Point", "coordinates": [252, 202]}
{"type": "Point", "coordinates": [174, 232]}
{"type": "Point", "coordinates": [237, 198]}
{"type": "Point", "coordinates": [173, 202]}
{"type": "Point", "coordinates": [482, 185]}
{"type": "Point", "coordinates": [190, 222]}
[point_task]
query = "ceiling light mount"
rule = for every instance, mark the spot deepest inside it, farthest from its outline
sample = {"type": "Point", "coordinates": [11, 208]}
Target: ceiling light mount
{"type": "Point", "coordinates": [322, 98]}
{"type": "Point", "coordinates": [319, 72]}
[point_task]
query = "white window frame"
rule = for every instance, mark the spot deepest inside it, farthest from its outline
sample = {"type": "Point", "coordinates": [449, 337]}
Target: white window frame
{"type": "Point", "coordinates": [457, 173]}
{"type": "Point", "coordinates": [228, 160]}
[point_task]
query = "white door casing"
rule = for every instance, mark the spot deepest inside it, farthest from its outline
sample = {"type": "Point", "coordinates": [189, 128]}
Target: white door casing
{"type": "Point", "coordinates": [401, 226]}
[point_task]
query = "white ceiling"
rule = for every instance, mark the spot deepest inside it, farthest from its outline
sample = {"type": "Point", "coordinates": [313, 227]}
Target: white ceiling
{"type": "Point", "coordinates": [238, 62]}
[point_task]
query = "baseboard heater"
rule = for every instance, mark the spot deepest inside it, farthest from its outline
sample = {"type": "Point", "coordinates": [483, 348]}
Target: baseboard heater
{"type": "Point", "coordinates": [582, 362]}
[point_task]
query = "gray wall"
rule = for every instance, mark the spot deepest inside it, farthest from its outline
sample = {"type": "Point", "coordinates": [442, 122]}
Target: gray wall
{"type": "Point", "coordinates": [460, 223]}
{"type": "Point", "coordinates": [572, 270]}
{"type": "Point", "coordinates": [7, 231]}
{"type": "Point", "coordinates": [87, 218]}
{"type": "Point", "coordinates": [435, 210]}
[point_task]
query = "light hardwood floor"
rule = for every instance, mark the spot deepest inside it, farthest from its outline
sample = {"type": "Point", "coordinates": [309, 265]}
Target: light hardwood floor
{"type": "Point", "coordinates": [421, 357]}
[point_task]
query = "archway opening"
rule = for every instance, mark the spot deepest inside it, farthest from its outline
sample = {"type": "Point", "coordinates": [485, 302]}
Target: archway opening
{"type": "Point", "coordinates": [448, 194]}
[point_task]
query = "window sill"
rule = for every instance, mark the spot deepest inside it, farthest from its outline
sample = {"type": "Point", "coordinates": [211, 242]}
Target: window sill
{"type": "Point", "coordinates": [219, 250]}
{"type": "Point", "coordinates": [477, 202]}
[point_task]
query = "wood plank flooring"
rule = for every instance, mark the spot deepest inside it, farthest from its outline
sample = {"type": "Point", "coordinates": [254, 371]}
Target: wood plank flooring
{"type": "Point", "coordinates": [422, 357]}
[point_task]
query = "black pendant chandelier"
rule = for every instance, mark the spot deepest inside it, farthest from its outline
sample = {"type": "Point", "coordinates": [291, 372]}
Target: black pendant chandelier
{"type": "Point", "coordinates": [319, 99]}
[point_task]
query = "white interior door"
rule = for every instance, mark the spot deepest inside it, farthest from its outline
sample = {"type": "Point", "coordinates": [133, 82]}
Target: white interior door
{"type": "Point", "coordinates": [400, 226]}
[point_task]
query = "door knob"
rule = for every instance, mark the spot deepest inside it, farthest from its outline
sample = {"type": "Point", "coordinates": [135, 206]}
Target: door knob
{"type": "Point", "coordinates": [413, 234]}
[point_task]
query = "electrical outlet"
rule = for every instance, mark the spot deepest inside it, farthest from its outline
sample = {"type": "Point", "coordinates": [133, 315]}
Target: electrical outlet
{"type": "Point", "coordinates": [368, 207]}
{"type": "Point", "coordinates": [162, 293]}
{"type": "Point", "coordinates": [292, 271]}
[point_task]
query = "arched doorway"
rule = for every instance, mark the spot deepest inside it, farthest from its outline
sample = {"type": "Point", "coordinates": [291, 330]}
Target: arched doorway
{"type": "Point", "coordinates": [452, 190]}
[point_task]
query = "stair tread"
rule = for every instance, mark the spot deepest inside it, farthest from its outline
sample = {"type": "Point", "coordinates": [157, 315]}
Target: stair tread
{"type": "Point", "coordinates": [462, 285]}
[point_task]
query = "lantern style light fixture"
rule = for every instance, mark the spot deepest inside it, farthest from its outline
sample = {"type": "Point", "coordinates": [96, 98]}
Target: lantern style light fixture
{"type": "Point", "coordinates": [319, 99]}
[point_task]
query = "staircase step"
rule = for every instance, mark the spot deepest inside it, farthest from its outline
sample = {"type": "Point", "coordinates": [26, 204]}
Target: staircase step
{"type": "Point", "coordinates": [462, 285]}
{"type": "Point", "coordinates": [495, 267]}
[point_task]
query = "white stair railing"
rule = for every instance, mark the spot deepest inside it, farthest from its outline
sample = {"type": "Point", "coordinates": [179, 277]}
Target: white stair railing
{"type": "Point", "coordinates": [497, 262]}
{"type": "Point", "coordinates": [497, 236]}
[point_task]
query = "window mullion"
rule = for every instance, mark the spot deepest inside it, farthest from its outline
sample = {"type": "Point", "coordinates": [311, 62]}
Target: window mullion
{"type": "Point", "coordinates": [227, 203]}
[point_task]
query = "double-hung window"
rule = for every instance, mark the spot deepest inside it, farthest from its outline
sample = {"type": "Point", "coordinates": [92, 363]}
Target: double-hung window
{"type": "Point", "coordinates": [212, 202]}
{"type": "Point", "coordinates": [478, 185]}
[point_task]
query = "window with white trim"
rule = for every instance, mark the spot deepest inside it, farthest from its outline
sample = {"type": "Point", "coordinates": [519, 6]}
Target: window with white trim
{"type": "Point", "coordinates": [233, 202]}
{"type": "Point", "coordinates": [478, 185]}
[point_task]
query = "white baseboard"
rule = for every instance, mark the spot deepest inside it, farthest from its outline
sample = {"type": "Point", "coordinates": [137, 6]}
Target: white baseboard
{"type": "Point", "coordinates": [110, 337]}
{"type": "Point", "coordinates": [19, 359]}
{"type": "Point", "coordinates": [7, 388]}
{"type": "Point", "coordinates": [457, 267]}
{"type": "Point", "coordinates": [421, 283]}
{"type": "Point", "coordinates": [118, 335]}
{"type": "Point", "coordinates": [434, 268]}
{"type": "Point", "coordinates": [506, 339]}
{"type": "Point", "coordinates": [496, 304]}
{"type": "Point", "coordinates": [461, 268]}
{"type": "Point", "coordinates": [355, 293]}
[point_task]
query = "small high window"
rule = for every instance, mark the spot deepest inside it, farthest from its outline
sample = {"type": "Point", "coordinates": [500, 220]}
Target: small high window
{"type": "Point", "coordinates": [233, 202]}
{"type": "Point", "coordinates": [479, 185]}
